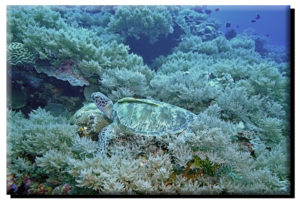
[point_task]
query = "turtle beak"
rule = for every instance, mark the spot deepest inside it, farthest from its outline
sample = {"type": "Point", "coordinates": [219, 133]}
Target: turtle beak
{"type": "Point", "coordinates": [92, 96]}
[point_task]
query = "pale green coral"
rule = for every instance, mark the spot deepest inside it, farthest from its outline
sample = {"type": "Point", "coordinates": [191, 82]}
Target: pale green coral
{"type": "Point", "coordinates": [66, 47]}
{"type": "Point", "coordinates": [123, 82]}
{"type": "Point", "coordinates": [96, 17]}
{"type": "Point", "coordinates": [138, 21]}
{"type": "Point", "coordinates": [141, 165]}
{"type": "Point", "coordinates": [242, 42]}
{"type": "Point", "coordinates": [191, 89]}
{"type": "Point", "coordinates": [233, 76]}
{"type": "Point", "coordinates": [29, 138]}
{"type": "Point", "coordinates": [20, 18]}
{"type": "Point", "coordinates": [32, 139]}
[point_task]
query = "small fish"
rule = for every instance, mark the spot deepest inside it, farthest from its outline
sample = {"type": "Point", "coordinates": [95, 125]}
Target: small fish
{"type": "Point", "coordinates": [207, 11]}
{"type": "Point", "coordinates": [253, 21]}
{"type": "Point", "coordinates": [217, 9]}
{"type": "Point", "coordinates": [228, 24]}
{"type": "Point", "coordinates": [257, 16]}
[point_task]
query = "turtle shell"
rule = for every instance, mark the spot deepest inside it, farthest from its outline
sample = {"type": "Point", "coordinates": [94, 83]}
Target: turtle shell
{"type": "Point", "coordinates": [150, 117]}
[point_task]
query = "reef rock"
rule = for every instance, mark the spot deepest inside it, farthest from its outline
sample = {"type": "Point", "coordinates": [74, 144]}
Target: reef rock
{"type": "Point", "coordinates": [65, 72]}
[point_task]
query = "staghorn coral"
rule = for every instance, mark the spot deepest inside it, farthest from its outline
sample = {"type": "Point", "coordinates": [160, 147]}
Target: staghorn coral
{"type": "Point", "coordinates": [85, 16]}
{"type": "Point", "coordinates": [140, 21]}
{"type": "Point", "coordinates": [233, 76]}
{"type": "Point", "coordinates": [119, 83]}
{"type": "Point", "coordinates": [141, 165]}
{"type": "Point", "coordinates": [68, 52]}
{"type": "Point", "coordinates": [191, 90]}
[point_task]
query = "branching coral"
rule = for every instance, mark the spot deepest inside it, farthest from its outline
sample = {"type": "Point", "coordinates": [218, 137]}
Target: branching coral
{"type": "Point", "coordinates": [139, 21]}
{"type": "Point", "coordinates": [209, 161]}
{"type": "Point", "coordinates": [68, 52]}
{"type": "Point", "coordinates": [191, 90]}
{"type": "Point", "coordinates": [122, 82]}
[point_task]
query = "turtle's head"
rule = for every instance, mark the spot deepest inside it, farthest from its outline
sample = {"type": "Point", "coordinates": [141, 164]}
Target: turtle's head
{"type": "Point", "coordinates": [103, 103]}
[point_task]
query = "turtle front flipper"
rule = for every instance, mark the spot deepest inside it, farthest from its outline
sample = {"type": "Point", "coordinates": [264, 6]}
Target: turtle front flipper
{"type": "Point", "coordinates": [104, 137]}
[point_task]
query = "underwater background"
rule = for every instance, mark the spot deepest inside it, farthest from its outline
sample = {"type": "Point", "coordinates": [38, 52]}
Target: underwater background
{"type": "Point", "coordinates": [227, 65]}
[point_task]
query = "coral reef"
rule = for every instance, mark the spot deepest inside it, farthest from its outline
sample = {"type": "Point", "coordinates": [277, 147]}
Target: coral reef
{"type": "Point", "coordinates": [208, 162]}
{"type": "Point", "coordinates": [195, 23]}
{"type": "Point", "coordinates": [67, 52]}
{"type": "Point", "coordinates": [141, 21]}
{"type": "Point", "coordinates": [17, 54]}
{"type": "Point", "coordinates": [236, 85]}
{"type": "Point", "coordinates": [118, 83]}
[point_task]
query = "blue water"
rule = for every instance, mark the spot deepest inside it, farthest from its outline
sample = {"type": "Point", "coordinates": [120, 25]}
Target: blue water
{"type": "Point", "coordinates": [273, 22]}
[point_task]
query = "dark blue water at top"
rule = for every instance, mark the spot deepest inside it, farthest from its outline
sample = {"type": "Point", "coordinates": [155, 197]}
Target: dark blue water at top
{"type": "Point", "coordinates": [273, 22]}
{"type": "Point", "coordinates": [269, 26]}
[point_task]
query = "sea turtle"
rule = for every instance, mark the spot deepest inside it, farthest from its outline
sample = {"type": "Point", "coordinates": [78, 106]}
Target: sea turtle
{"type": "Point", "coordinates": [141, 117]}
